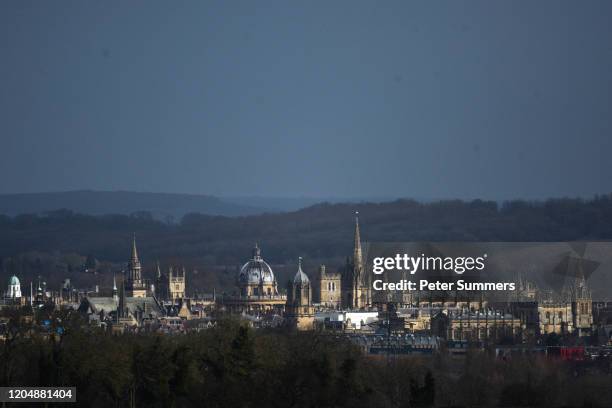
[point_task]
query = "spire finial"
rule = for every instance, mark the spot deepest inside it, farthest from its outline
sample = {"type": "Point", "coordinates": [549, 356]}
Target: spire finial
{"type": "Point", "coordinates": [134, 251]}
{"type": "Point", "coordinates": [357, 254]}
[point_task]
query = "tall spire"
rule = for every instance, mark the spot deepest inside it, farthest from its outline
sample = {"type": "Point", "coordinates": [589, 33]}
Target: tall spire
{"type": "Point", "coordinates": [134, 251]}
{"type": "Point", "coordinates": [121, 309]}
{"type": "Point", "coordinates": [134, 277]}
{"type": "Point", "coordinates": [357, 254]}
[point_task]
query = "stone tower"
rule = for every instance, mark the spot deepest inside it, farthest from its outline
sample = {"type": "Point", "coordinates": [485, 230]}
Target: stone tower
{"type": "Point", "coordinates": [329, 288]}
{"type": "Point", "coordinates": [299, 310]}
{"type": "Point", "coordinates": [582, 304]}
{"type": "Point", "coordinates": [176, 284]}
{"type": "Point", "coordinates": [354, 287]}
{"type": "Point", "coordinates": [135, 286]}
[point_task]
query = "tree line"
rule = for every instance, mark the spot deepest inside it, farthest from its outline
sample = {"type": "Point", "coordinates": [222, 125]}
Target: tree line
{"type": "Point", "coordinates": [232, 365]}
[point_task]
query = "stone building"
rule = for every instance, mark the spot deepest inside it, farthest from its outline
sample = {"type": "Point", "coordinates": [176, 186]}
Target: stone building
{"type": "Point", "coordinates": [257, 289]}
{"type": "Point", "coordinates": [329, 285]}
{"type": "Point", "coordinates": [14, 289]}
{"type": "Point", "coordinates": [299, 311]}
{"type": "Point", "coordinates": [476, 326]}
{"type": "Point", "coordinates": [176, 284]}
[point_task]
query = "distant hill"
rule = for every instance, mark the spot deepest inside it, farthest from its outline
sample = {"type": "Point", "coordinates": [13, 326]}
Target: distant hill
{"type": "Point", "coordinates": [55, 244]}
{"type": "Point", "coordinates": [283, 204]}
{"type": "Point", "coordinates": [163, 206]}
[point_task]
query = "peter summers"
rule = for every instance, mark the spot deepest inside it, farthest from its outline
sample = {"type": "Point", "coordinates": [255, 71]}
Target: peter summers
{"type": "Point", "coordinates": [408, 285]}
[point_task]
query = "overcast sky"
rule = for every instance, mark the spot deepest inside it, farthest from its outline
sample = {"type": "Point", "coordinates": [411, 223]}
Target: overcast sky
{"type": "Point", "coordinates": [491, 99]}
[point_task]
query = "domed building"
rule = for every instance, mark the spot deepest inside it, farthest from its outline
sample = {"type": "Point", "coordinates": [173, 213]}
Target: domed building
{"type": "Point", "coordinates": [256, 277]}
{"type": "Point", "coordinates": [257, 288]}
{"type": "Point", "coordinates": [14, 288]}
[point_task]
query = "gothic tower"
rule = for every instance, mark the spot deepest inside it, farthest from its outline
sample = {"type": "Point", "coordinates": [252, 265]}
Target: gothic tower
{"type": "Point", "coordinates": [176, 284]}
{"type": "Point", "coordinates": [122, 311]}
{"type": "Point", "coordinates": [354, 287]}
{"type": "Point", "coordinates": [135, 286]}
{"type": "Point", "coordinates": [115, 295]}
{"type": "Point", "coordinates": [582, 304]}
{"type": "Point", "coordinates": [299, 310]}
{"type": "Point", "coordinates": [329, 288]}
{"type": "Point", "coordinates": [161, 291]}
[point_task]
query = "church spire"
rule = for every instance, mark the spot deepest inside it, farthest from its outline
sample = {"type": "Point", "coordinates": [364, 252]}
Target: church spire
{"type": "Point", "coordinates": [115, 294]}
{"type": "Point", "coordinates": [134, 251]}
{"type": "Point", "coordinates": [121, 307]}
{"type": "Point", "coordinates": [357, 254]}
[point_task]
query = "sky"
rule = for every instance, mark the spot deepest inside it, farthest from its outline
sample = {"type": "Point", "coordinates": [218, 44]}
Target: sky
{"type": "Point", "coordinates": [445, 99]}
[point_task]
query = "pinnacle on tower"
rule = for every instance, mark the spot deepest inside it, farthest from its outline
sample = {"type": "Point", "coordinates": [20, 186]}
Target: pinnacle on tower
{"type": "Point", "coordinates": [134, 251]}
{"type": "Point", "coordinates": [357, 254]}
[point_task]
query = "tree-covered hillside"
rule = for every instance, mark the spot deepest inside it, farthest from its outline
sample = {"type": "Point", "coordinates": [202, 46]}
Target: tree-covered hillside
{"type": "Point", "coordinates": [321, 233]}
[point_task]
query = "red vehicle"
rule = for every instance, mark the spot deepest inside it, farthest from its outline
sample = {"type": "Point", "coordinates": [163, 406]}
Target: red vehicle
{"type": "Point", "coordinates": [567, 353]}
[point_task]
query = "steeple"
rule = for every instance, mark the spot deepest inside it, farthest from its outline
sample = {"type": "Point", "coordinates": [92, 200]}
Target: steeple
{"type": "Point", "coordinates": [357, 254]}
{"type": "Point", "coordinates": [134, 259]}
{"type": "Point", "coordinates": [114, 287]}
{"type": "Point", "coordinates": [121, 309]}
{"type": "Point", "coordinates": [134, 285]}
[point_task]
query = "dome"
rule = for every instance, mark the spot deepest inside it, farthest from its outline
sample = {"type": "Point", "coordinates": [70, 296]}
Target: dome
{"type": "Point", "coordinates": [300, 276]}
{"type": "Point", "coordinates": [14, 280]}
{"type": "Point", "coordinates": [256, 271]}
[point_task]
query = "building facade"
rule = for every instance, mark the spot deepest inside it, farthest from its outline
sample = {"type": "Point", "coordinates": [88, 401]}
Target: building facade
{"type": "Point", "coordinates": [330, 284]}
